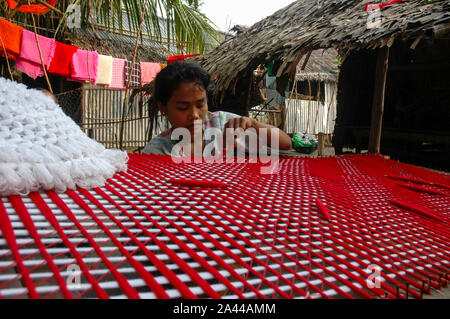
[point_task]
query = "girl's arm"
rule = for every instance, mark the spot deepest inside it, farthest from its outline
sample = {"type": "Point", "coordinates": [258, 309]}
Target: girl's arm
{"type": "Point", "coordinates": [285, 142]}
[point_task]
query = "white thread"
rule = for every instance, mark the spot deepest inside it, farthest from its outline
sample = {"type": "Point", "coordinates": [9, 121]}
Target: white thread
{"type": "Point", "coordinates": [41, 148]}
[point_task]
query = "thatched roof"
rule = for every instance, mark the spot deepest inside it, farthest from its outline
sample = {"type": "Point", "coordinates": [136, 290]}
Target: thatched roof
{"type": "Point", "coordinates": [120, 46]}
{"type": "Point", "coordinates": [319, 66]}
{"type": "Point", "coordinates": [306, 25]}
{"type": "Point", "coordinates": [121, 50]}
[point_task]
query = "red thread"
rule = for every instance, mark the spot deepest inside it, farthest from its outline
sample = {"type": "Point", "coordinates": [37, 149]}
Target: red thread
{"type": "Point", "coordinates": [408, 179]}
{"type": "Point", "coordinates": [8, 233]}
{"type": "Point", "coordinates": [151, 282]}
{"type": "Point", "coordinates": [422, 189]}
{"type": "Point", "coordinates": [262, 235]}
{"type": "Point", "coordinates": [24, 215]}
{"type": "Point", "coordinates": [418, 181]}
{"type": "Point", "coordinates": [323, 210]}
{"type": "Point", "coordinates": [290, 258]}
{"type": "Point", "coordinates": [121, 280]}
{"type": "Point", "coordinates": [381, 5]}
{"type": "Point", "coordinates": [356, 268]}
{"type": "Point", "coordinates": [415, 209]}
{"type": "Point", "coordinates": [175, 58]}
{"type": "Point", "coordinates": [123, 283]}
{"type": "Point", "coordinates": [197, 182]}
{"type": "Point", "coordinates": [46, 211]}
{"type": "Point", "coordinates": [204, 284]}
{"type": "Point", "coordinates": [210, 253]}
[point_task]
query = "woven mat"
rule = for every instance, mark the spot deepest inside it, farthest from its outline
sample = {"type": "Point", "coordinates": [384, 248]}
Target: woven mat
{"type": "Point", "coordinates": [356, 226]}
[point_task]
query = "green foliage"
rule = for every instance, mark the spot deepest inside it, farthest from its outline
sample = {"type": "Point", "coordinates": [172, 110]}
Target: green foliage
{"type": "Point", "coordinates": [338, 64]}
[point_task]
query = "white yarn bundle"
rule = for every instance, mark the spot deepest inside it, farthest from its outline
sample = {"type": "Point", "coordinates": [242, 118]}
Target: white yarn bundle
{"type": "Point", "coordinates": [41, 148]}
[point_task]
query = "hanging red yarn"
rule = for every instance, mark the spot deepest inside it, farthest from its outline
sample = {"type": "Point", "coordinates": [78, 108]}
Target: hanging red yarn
{"type": "Point", "coordinates": [32, 8]}
{"type": "Point", "coordinates": [381, 5]}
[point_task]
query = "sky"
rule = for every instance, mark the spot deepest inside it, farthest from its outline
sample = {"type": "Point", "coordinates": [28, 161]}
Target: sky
{"type": "Point", "coordinates": [227, 13]}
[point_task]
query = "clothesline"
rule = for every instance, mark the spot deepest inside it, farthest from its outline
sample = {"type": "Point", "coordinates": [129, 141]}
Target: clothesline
{"type": "Point", "coordinates": [29, 26]}
{"type": "Point", "coordinates": [72, 62]}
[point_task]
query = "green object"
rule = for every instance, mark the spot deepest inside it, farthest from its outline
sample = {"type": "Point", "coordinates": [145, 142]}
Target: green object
{"type": "Point", "coordinates": [304, 143]}
{"type": "Point", "coordinates": [270, 68]}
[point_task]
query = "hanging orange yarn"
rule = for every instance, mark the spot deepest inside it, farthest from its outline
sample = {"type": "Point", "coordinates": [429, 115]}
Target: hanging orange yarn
{"type": "Point", "coordinates": [31, 8]}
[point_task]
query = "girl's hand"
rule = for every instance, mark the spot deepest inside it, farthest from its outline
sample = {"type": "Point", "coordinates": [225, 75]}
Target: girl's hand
{"type": "Point", "coordinates": [241, 122]}
{"type": "Point", "coordinates": [284, 141]}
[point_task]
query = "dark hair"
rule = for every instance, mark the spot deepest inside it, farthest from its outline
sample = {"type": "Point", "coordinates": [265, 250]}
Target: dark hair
{"type": "Point", "coordinates": [47, 92]}
{"type": "Point", "coordinates": [169, 78]}
{"type": "Point", "coordinates": [163, 86]}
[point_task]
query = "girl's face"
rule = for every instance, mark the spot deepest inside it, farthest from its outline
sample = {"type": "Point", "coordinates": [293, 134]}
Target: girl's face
{"type": "Point", "coordinates": [187, 104]}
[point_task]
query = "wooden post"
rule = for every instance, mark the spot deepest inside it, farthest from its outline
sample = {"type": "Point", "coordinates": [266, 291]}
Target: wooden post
{"type": "Point", "coordinates": [283, 115]}
{"type": "Point", "coordinates": [378, 100]}
{"type": "Point", "coordinates": [321, 146]}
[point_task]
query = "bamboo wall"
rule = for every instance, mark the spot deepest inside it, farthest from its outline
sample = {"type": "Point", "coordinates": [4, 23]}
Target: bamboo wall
{"type": "Point", "coordinates": [102, 118]}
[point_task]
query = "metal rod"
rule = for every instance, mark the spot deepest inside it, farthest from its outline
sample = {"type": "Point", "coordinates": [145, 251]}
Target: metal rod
{"type": "Point", "coordinates": [407, 290]}
{"type": "Point", "coordinates": [429, 285]}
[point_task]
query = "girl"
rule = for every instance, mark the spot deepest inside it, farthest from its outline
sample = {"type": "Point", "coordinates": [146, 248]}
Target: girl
{"type": "Point", "coordinates": [180, 94]}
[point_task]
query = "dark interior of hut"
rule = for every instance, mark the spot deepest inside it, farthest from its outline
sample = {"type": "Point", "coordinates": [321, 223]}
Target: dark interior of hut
{"type": "Point", "coordinates": [416, 111]}
{"type": "Point", "coordinates": [240, 101]}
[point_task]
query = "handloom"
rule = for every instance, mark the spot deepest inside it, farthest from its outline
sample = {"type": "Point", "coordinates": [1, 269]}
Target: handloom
{"type": "Point", "coordinates": [337, 227]}
{"type": "Point", "coordinates": [41, 148]}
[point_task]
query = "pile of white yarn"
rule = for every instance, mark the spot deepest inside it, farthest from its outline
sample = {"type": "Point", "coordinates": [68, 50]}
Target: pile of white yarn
{"type": "Point", "coordinates": [41, 148]}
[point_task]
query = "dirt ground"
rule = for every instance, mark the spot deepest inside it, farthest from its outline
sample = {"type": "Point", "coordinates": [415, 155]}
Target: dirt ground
{"type": "Point", "coordinates": [444, 293]}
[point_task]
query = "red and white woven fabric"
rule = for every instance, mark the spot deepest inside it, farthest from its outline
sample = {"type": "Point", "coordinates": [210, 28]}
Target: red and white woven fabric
{"type": "Point", "coordinates": [353, 226]}
{"type": "Point", "coordinates": [134, 74]}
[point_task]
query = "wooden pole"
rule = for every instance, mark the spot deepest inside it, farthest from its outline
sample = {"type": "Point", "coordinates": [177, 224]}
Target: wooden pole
{"type": "Point", "coordinates": [321, 146]}
{"type": "Point", "coordinates": [122, 122]}
{"type": "Point", "coordinates": [7, 59]}
{"type": "Point", "coordinates": [378, 100]}
{"type": "Point", "coordinates": [40, 53]}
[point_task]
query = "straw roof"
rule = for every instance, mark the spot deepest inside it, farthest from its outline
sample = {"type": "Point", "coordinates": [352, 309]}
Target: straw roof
{"type": "Point", "coordinates": [319, 67]}
{"type": "Point", "coordinates": [122, 47]}
{"type": "Point", "coordinates": [305, 25]}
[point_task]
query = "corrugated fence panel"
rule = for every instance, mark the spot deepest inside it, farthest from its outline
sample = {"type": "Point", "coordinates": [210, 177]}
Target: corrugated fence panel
{"type": "Point", "coordinates": [312, 117]}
